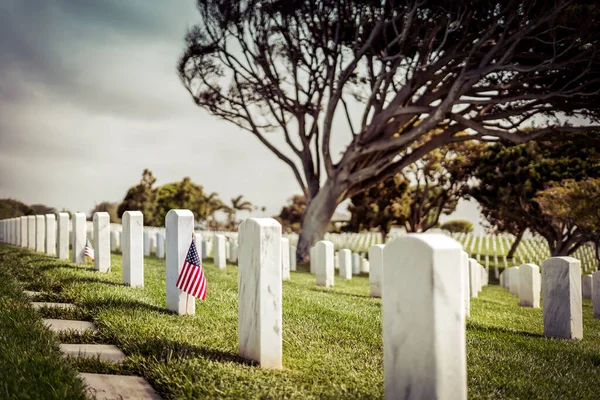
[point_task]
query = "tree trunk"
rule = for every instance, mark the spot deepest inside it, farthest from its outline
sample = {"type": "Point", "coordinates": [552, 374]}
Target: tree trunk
{"type": "Point", "coordinates": [317, 215]}
{"type": "Point", "coordinates": [513, 248]}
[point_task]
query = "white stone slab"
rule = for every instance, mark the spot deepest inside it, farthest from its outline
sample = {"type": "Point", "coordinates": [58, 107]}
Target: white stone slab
{"type": "Point", "coordinates": [104, 352]}
{"type": "Point", "coordinates": [530, 285]}
{"type": "Point", "coordinates": [40, 233]}
{"type": "Point", "coordinates": [312, 260]}
{"type": "Point", "coordinates": [293, 258]}
{"type": "Point", "coordinates": [160, 244]}
{"type": "Point", "coordinates": [596, 294]}
{"type": "Point", "coordinates": [514, 281]}
{"type": "Point", "coordinates": [63, 306]}
{"type": "Point", "coordinates": [465, 286]}
{"type": "Point", "coordinates": [345, 264]}
{"type": "Point", "coordinates": [133, 248]}
{"type": "Point", "coordinates": [376, 269]}
{"type": "Point", "coordinates": [587, 286]}
{"type": "Point", "coordinates": [234, 249]}
{"type": "Point", "coordinates": [179, 229]}
{"type": "Point", "coordinates": [79, 232]}
{"type": "Point", "coordinates": [62, 237]}
{"type": "Point", "coordinates": [24, 233]}
{"type": "Point", "coordinates": [66, 325]}
{"type": "Point", "coordinates": [31, 232]}
{"type": "Point", "coordinates": [424, 343]}
{"type": "Point", "coordinates": [123, 387]}
{"type": "Point", "coordinates": [101, 224]}
{"type": "Point", "coordinates": [355, 263]}
{"type": "Point", "coordinates": [285, 259]}
{"type": "Point", "coordinates": [220, 251]}
{"type": "Point", "coordinates": [561, 292]}
{"type": "Point", "coordinates": [147, 243]}
{"type": "Point", "coordinates": [365, 266]}
{"type": "Point", "coordinates": [325, 269]}
{"type": "Point", "coordinates": [473, 278]}
{"type": "Point", "coordinates": [259, 292]}
{"type": "Point", "coordinates": [50, 236]}
{"type": "Point", "coordinates": [113, 241]}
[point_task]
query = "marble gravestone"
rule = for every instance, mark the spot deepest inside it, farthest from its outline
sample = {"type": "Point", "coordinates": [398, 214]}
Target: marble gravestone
{"type": "Point", "coordinates": [587, 286]}
{"type": "Point", "coordinates": [596, 294]}
{"type": "Point", "coordinates": [466, 291]}
{"type": "Point", "coordinates": [24, 235]}
{"type": "Point", "coordinates": [424, 338]}
{"type": "Point", "coordinates": [234, 251]}
{"type": "Point", "coordinates": [147, 243]}
{"type": "Point", "coordinates": [513, 287]}
{"type": "Point", "coordinates": [325, 268]}
{"type": "Point", "coordinates": [345, 264]}
{"type": "Point", "coordinates": [313, 260]}
{"type": "Point", "coordinates": [293, 258]}
{"type": "Point", "coordinates": [50, 236]}
{"type": "Point", "coordinates": [79, 237]}
{"type": "Point", "coordinates": [376, 269]}
{"type": "Point", "coordinates": [179, 229]}
{"type": "Point", "coordinates": [285, 259]}
{"type": "Point", "coordinates": [40, 233]}
{"type": "Point", "coordinates": [101, 223]}
{"type": "Point", "coordinates": [132, 248]}
{"type": "Point", "coordinates": [198, 238]}
{"type": "Point", "coordinates": [219, 251]}
{"type": "Point", "coordinates": [113, 240]}
{"type": "Point", "coordinates": [62, 237]}
{"type": "Point", "coordinates": [473, 278]}
{"type": "Point", "coordinates": [561, 291]}
{"type": "Point", "coordinates": [260, 292]}
{"type": "Point", "coordinates": [160, 244]}
{"type": "Point", "coordinates": [530, 285]}
{"type": "Point", "coordinates": [31, 232]}
{"type": "Point", "coordinates": [355, 263]}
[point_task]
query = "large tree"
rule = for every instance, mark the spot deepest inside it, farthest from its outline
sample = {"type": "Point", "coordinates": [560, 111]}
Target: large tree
{"type": "Point", "coordinates": [141, 197]}
{"type": "Point", "coordinates": [10, 208]}
{"type": "Point", "coordinates": [110, 207]}
{"type": "Point", "coordinates": [510, 176]}
{"type": "Point", "coordinates": [384, 74]}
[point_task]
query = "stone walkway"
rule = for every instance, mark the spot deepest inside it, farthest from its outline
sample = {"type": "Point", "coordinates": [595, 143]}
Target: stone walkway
{"type": "Point", "coordinates": [99, 386]}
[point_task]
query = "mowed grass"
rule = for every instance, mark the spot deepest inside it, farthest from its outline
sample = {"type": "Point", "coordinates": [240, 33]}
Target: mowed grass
{"type": "Point", "coordinates": [30, 362]}
{"type": "Point", "coordinates": [331, 338]}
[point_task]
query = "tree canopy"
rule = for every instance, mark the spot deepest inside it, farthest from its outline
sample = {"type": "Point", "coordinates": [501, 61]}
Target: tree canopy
{"type": "Point", "coordinates": [10, 208]}
{"type": "Point", "coordinates": [386, 73]}
{"type": "Point", "coordinates": [110, 207]}
{"type": "Point", "coordinates": [141, 197]}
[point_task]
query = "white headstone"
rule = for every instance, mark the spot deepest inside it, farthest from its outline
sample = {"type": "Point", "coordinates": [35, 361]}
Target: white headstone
{"type": "Point", "coordinates": [293, 258]}
{"type": "Point", "coordinates": [345, 264]}
{"type": "Point", "coordinates": [587, 287]}
{"type": "Point", "coordinates": [424, 343]}
{"type": "Point", "coordinates": [466, 291]}
{"type": "Point", "coordinates": [355, 263]}
{"type": "Point", "coordinates": [113, 240]}
{"type": "Point", "coordinates": [40, 233]}
{"type": "Point", "coordinates": [313, 260]}
{"type": "Point", "coordinates": [198, 238]}
{"type": "Point", "coordinates": [596, 294]}
{"type": "Point", "coordinates": [325, 269]}
{"type": "Point", "coordinates": [530, 285]}
{"type": "Point", "coordinates": [219, 251]}
{"type": "Point", "coordinates": [514, 281]}
{"type": "Point", "coordinates": [561, 292]}
{"type": "Point", "coordinates": [259, 291]}
{"type": "Point", "coordinates": [24, 234]}
{"type": "Point", "coordinates": [234, 251]}
{"type": "Point", "coordinates": [133, 248]}
{"type": "Point", "coordinates": [160, 244]}
{"type": "Point", "coordinates": [147, 243]}
{"type": "Point", "coordinates": [101, 222]}
{"type": "Point", "coordinates": [473, 278]}
{"type": "Point", "coordinates": [285, 259]}
{"type": "Point", "coordinates": [179, 228]}
{"type": "Point", "coordinates": [365, 266]}
{"type": "Point", "coordinates": [376, 269]}
{"type": "Point", "coordinates": [62, 237]}
{"type": "Point", "coordinates": [31, 232]}
{"type": "Point", "coordinates": [50, 244]}
{"type": "Point", "coordinates": [78, 244]}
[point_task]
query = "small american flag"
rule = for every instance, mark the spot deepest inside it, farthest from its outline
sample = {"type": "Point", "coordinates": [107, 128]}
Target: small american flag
{"type": "Point", "coordinates": [89, 250]}
{"type": "Point", "coordinates": [191, 278]}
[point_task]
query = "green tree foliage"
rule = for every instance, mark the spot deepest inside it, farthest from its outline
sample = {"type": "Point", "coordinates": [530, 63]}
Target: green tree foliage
{"type": "Point", "coordinates": [42, 209]}
{"type": "Point", "coordinates": [571, 205]}
{"type": "Point", "coordinates": [509, 177]}
{"type": "Point", "coordinates": [110, 207]}
{"type": "Point", "coordinates": [10, 208]}
{"type": "Point", "coordinates": [141, 197]}
{"type": "Point", "coordinates": [291, 213]}
{"type": "Point", "coordinates": [300, 75]}
{"type": "Point", "coordinates": [458, 226]}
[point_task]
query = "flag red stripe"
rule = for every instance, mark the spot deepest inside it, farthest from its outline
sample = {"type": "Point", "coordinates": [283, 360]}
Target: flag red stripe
{"type": "Point", "coordinates": [191, 281]}
{"type": "Point", "coordinates": [186, 274]}
{"type": "Point", "coordinates": [198, 282]}
{"type": "Point", "coordinates": [181, 275]}
{"type": "Point", "coordinates": [202, 289]}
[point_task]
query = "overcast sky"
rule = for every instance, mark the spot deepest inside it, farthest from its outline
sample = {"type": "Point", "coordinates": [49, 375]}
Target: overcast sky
{"type": "Point", "coordinates": [89, 97]}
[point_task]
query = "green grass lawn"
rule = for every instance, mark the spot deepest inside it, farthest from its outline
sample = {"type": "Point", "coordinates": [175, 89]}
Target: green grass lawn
{"type": "Point", "coordinates": [332, 344]}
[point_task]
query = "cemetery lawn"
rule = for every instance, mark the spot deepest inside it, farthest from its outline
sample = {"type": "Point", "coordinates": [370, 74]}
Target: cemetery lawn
{"type": "Point", "coordinates": [30, 363]}
{"type": "Point", "coordinates": [332, 344]}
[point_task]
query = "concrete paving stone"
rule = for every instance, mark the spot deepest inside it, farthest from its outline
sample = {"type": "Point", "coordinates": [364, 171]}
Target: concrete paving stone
{"type": "Point", "coordinates": [102, 386]}
{"type": "Point", "coordinates": [66, 325]}
{"type": "Point", "coordinates": [65, 306]}
{"type": "Point", "coordinates": [31, 293]}
{"type": "Point", "coordinates": [106, 352]}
